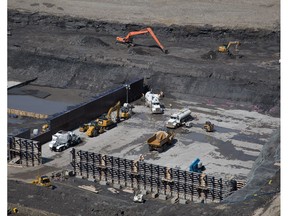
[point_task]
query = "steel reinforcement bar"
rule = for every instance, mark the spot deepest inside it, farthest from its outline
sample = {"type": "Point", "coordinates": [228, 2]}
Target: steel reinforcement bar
{"type": "Point", "coordinates": [24, 152]}
{"type": "Point", "coordinates": [155, 179]}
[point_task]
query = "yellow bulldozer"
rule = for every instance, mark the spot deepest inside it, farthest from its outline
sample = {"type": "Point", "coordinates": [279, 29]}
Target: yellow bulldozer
{"type": "Point", "coordinates": [42, 181]}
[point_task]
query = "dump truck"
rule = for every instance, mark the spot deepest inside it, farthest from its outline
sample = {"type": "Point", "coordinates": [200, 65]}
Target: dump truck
{"type": "Point", "coordinates": [178, 119]}
{"type": "Point", "coordinates": [160, 141]}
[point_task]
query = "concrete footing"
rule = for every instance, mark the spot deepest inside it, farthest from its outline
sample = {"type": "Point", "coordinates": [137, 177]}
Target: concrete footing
{"type": "Point", "coordinates": [144, 192]}
{"type": "Point", "coordinates": [174, 200]}
{"type": "Point", "coordinates": [103, 182]}
{"type": "Point", "coordinates": [91, 179]}
{"type": "Point", "coordinates": [183, 201]}
{"type": "Point", "coordinates": [154, 195]}
{"type": "Point", "coordinates": [163, 197]}
{"type": "Point", "coordinates": [117, 186]}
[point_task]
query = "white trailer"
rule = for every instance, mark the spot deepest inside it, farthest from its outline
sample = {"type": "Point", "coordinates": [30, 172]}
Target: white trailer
{"type": "Point", "coordinates": [152, 101]}
{"type": "Point", "coordinates": [179, 118]}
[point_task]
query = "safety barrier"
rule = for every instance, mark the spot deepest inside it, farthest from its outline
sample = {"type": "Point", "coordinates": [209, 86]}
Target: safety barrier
{"type": "Point", "coordinates": [139, 175]}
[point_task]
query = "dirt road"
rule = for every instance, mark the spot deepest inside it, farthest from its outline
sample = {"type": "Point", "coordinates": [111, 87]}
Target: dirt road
{"type": "Point", "coordinates": [220, 13]}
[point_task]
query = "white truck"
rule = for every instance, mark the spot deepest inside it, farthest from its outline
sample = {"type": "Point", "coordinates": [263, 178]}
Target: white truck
{"type": "Point", "coordinates": [63, 140]}
{"type": "Point", "coordinates": [152, 101]}
{"type": "Point", "coordinates": [179, 118]}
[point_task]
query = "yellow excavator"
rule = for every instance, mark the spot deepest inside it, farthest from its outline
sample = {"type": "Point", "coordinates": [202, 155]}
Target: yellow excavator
{"type": "Point", "coordinates": [225, 48]}
{"type": "Point", "coordinates": [105, 121]}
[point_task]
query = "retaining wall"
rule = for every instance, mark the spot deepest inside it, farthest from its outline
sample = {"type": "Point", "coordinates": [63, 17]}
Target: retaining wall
{"type": "Point", "coordinates": [89, 111]}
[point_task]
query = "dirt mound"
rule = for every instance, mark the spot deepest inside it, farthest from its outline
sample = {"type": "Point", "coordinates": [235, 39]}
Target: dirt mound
{"type": "Point", "coordinates": [93, 41]}
{"type": "Point", "coordinates": [210, 55]}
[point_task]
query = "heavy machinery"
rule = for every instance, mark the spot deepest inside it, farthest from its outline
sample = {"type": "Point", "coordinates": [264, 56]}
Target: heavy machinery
{"type": "Point", "coordinates": [105, 121]}
{"type": "Point", "coordinates": [44, 128]}
{"type": "Point", "coordinates": [42, 181]}
{"type": "Point", "coordinates": [129, 38]}
{"type": "Point", "coordinates": [126, 111]}
{"type": "Point", "coordinates": [197, 166]}
{"type": "Point", "coordinates": [94, 129]}
{"type": "Point", "coordinates": [152, 101]}
{"type": "Point", "coordinates": [179, 118]}
{"type": "Point", "coordinates": [225, 48]}
{"type": "Point", "coordinates": [138, 198]}
{"type": "Point", "coordinates": [84, 127]}
{"type": "Point", "coordinates": [63, 140]}
{"type": "Point", "coordinates": [208, 126]}
{"type": "Point", "coordinates": [160, 141]}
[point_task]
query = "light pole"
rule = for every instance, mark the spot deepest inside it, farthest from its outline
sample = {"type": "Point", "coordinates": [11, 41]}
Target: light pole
{"type": "Point", "coordinates": [127, 89]}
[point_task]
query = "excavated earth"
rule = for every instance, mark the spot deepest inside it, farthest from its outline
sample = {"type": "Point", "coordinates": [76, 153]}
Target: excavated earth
{"type": "Point", "coordinates": [81, 56]}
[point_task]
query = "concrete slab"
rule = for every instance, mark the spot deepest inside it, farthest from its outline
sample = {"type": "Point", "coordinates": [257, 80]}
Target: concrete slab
{"type": "Point", "coordinates": [228, 152]}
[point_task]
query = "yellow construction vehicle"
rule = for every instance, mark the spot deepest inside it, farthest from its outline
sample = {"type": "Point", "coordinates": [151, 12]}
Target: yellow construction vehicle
{"type": "Point", "coordinates": [84, 127]}
{"type": "Point", "coordinates": [45, 127]}
{"type": "Point", "coordinates": [125, 111]}
{"type": "Point", "coordinates": [94, 129]}
{"type": "Point", "coordinates": [105, 121]}
{"type": "Point", "coordinates": [225, 48]}
{"type": "Point", "coordinates": [208, 126]}
{"type": "Point", "coordinates": [160, 141]}
{"type": "Point", "coordinates": [42, 181]}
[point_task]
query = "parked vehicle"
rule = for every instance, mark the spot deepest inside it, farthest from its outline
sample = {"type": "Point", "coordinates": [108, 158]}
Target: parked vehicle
{"type": "Point", "coordinates": [160, 141]}
{"type": "Point", "coordinates": [152, 101]}
{"type": "Point", "coordinates": [63, 140]}
{"type": "Point", "coordinates": [179, 118]}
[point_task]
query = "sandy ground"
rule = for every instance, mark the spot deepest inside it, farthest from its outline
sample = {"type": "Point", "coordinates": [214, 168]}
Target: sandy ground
{"type": "Point", "coordinates": [221, 13]}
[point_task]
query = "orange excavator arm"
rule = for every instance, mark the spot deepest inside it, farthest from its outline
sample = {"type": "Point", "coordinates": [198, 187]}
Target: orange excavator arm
{"type": "Point", "coordinates": [129, 37]}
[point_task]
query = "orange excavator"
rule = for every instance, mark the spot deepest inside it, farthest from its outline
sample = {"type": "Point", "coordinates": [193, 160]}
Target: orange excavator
{"type": "Point", "coordinates": [129, 38]}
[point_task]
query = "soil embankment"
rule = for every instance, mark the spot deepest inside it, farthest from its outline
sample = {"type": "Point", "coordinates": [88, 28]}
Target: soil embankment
{"type": "Point", "coordinates": [63, 52]}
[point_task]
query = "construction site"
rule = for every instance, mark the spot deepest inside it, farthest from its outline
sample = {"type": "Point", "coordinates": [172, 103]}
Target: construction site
{"type": "Point", "coordinates": [143, 107]}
